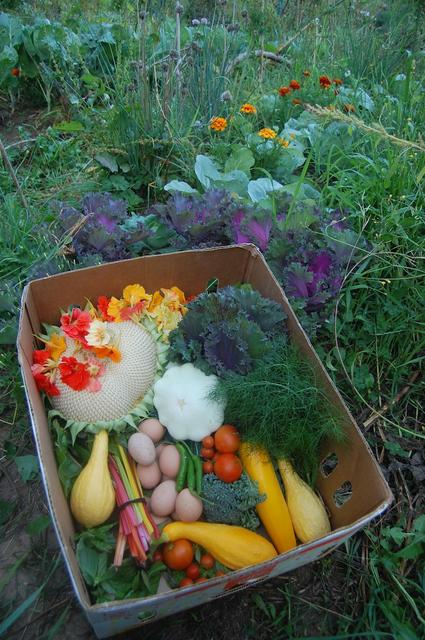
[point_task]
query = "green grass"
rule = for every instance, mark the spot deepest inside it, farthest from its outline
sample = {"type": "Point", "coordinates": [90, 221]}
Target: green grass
{"type": "Point", "coordinates": [374, 346]}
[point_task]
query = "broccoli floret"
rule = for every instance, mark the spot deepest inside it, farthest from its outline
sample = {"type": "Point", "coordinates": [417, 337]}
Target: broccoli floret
{"type": "Point", "coordinates": [231, 502]}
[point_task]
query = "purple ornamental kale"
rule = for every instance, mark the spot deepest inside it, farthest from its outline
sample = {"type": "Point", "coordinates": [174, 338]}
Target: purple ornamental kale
{"type": "Point", "coordinates": [199, 221]}
{"type": "Point", "coordinates": [95, 227]}
{"type": "Point", "coordinates": [252, 228]}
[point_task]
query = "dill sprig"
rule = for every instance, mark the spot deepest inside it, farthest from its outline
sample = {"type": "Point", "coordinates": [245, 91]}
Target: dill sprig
{"type": "Point", "coordinates": [279, 406]}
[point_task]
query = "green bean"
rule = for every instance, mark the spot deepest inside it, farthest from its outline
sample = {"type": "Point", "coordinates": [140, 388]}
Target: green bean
{"type": "Point", "coordinates": [183, 468]}
{"type": "Point", "coordinates": [191, 474]}
{"type": "Point", "coordinates": [198, 473]}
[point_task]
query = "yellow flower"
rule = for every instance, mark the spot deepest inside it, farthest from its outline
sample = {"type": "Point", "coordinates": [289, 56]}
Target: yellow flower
{"type": "Point", "coordinates": [166, 319]}
{"type": "Point", "coordinates": [114, 308]}
{"type": "Point", "coordinates": [283, 142]}
{"type": "Point", "coordinates": [57, 345]}
{"type": "Point", "coordinates": [218, 124]}
{"type": "Point", "coordinates": [267, 134]}
{"type": "Point", "coordinates": [167, 308]}
{"type": "Point", "coordinates": [134, 293]}
{"type": "Point", "coordinates": [248, 108]}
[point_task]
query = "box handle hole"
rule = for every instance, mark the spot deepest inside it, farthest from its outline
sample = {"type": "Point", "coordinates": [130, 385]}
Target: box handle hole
{"type": "Point", "coordinates": [144, 616]}
{"type": "Point", "coordinates": [343, 493]}
{"type": "Point", "coordinates": [329, 464]}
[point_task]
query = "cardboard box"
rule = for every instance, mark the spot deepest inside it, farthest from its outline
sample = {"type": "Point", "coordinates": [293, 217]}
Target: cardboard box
{"type": "Point", "coordinates": [191, 270]}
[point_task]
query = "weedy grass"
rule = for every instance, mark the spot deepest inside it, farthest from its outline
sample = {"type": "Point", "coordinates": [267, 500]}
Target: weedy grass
{"type": "Point", "coordinates": [374, 345]}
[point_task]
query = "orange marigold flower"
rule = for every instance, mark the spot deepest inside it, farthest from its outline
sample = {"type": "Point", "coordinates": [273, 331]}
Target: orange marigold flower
{"type": "Point", "coordinates": [218, 124]}
{"type": "Point", "coordinates": [295, 85]}
{"type": "Point", "coordinates": [267, 134]}
{"type": "Point", "coordinates": [349, 108]}
{"type": "Point", "coordinates": [283, 143]}
{"type": "Point", "coordinates": [283, 91]}
{"type": "Point", "coordinates": [296, 101]}
{"type": "Point", "coordinates": [306, 73]}
{"type": "Point", "coordinates": [16, 72]}
{"type": "Point", "coordinates": [248, 108]}
{"type": "Point", "coordinates": [337, 81]}
{"type": "Point", "coordinates": [325, 82]}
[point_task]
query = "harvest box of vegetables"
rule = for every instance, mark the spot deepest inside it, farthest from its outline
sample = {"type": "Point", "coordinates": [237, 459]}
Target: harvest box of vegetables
{"type": "Point", "coordinates": [189, 438]}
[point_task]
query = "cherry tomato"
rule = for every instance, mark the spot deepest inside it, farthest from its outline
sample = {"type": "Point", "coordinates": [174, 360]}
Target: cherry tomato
{"type": "Point", "coordinates": [227, 439]}
{"type": "Point", "coordinates": [228, 467]}
{"type": "Point", "coordinates": [193, 571]}
{"type": "Point", "coordinates": [157, 556]}
{"type": "Point", "coordinates": [207, 453]}
{"type": "Point", "coordinates": [208, 442]}
{"type": "Point", "coordinates": [201, 580]}
{"type": "Point", "coordinates": [207, 561]}
{"type": "Point", "coordinates": [208, 467]}
{"type": "Point", "coordinates": [178, 555]}
{"type": "Point", "coordinates": [185, 582]}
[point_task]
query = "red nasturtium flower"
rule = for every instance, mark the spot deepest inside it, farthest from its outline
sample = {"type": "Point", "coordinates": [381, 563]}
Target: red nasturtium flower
{"type": "Point", "coordinates": [76, 324]}
{"type": "Point", "coordinates": [74, 373]}
{"type": "Point", "coordinates": [44, 383]}
{"type": "Point", "coordinates": [325, 82]}
{"type": "Point", "coordinates": [102, 306]}
{"type": "Point", "coordinates": [295, 85]}
{"type": "Point", "coordinates": [283, 91]}
{"type": "Point", "coordinates": [16, 72]}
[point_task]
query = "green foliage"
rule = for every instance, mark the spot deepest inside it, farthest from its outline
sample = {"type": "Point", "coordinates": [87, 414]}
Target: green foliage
{"type": "Point", "coordinates": [278, 406]}
{"type": "Point", "coordinates": [231, 502]}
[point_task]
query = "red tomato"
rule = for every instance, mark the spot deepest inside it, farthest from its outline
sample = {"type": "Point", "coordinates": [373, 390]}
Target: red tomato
{"type": "Point", "coordinates": [178, 555]}
{"type": "Point", "coordinates": [185, 582]}
{"type": "Point", "coordinates": [227, 439]}
{"type": "Point", "coordinates": [201, 580]}
{"type": "Point", "coordinates": [208, 467]}
{"type": "Point", "coordinates": [157, 556]}
{"type": "Point", "coordinates": [207, 453]}
{"type": "Point", "coordinates": [208, 442]}
{"type": "Point", "coordinates": [207, 561]}
{"type": "Point", "coordinates": [228, 467]}
{"type": "Point", "coordinates": [193, 571]}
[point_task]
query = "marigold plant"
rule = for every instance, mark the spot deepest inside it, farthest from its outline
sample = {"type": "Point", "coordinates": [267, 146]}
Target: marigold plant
{"type": "Point", "coordinates": [248, 108]}
{"type": "Point", "coordinates": [267, 134]}
{"type": "Point", "coordinates": [218, 124]}
{"type": "Point", "coordinates": [283, 91]}
{"type": "Point", "coordinates": [325, 82]}
{"type": "Point", "coordinates": [295, 85]}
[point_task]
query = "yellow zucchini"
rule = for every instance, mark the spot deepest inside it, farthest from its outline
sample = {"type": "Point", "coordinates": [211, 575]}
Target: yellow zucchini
{"type": "Point", "coordinates": [273, 512]}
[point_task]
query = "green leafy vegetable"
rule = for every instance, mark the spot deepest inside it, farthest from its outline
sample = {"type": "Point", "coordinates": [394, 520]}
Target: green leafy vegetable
{"type": "Point", "coordinates": [231, 502]}
{"type": "Point", "coordinates": [227, 330]}
{"type": "Point", "coordinates": [279, 406]}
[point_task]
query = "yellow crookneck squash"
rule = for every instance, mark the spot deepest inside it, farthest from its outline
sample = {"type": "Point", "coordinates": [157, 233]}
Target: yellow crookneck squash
{"type": "Point", "coordinates": [235, 547]}
{"type": "Point", "coordinates": [93, 495]}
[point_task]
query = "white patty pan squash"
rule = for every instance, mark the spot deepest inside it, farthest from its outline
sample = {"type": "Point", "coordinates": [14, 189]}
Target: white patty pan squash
{"type": "Point", "coordinates": [181, 398]}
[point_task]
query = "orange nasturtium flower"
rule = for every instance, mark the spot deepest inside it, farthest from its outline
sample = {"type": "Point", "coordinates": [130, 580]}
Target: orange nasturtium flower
{"type": "Point", "coordinates": [267, 134]}
{"type": "Point", "coordinates": [248, 108]}
{"type": "Point", "coordinates": [283, 91]}
{"type": "Point", "coordinates": [325, 82]}
{"type": "Point", "coordinates": [115, 307]}
{"type": "Point", "coordinates": [134, 293]}
{"type": "Point", "coordinates": [295, 85]}
{"type": "Point", "coordinates": [57, 345]}
{"type": "Point", "coordinates": [218, 124]}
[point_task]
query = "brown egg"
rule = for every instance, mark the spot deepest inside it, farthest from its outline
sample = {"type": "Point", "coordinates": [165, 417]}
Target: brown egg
{"type": "Point", "coordinates": [188, 507]}
{"type": "Point", "coordinates": [149, 475]}
{"type": "Point", "coordinates": [163, 498]}
{"type": "Point", "coordinates": [169, 461]}
{"type": "Point", "coordinates": [141, 448]}
{"type": "Point", "coordinates": [152, 428]}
